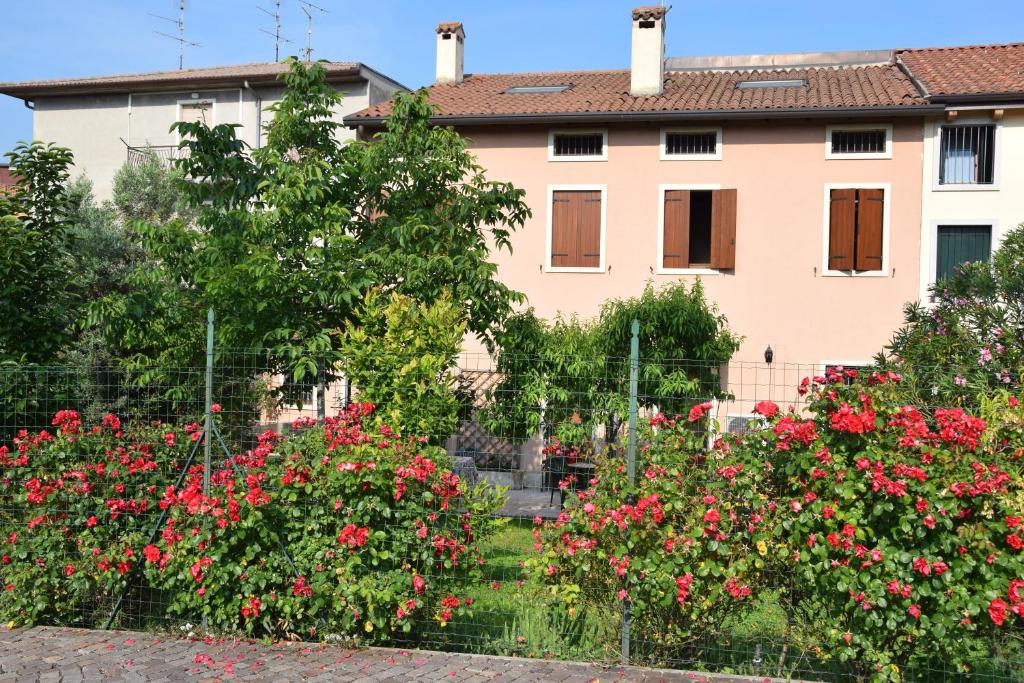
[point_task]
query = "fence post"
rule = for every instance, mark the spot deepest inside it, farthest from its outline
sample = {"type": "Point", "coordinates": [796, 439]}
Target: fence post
{"type": "Point", "coordinates": [208, 427]}
{"type": "Point", "coordinates": [321, 391]}
{"type": "Point", "coordinates": [634, 371]}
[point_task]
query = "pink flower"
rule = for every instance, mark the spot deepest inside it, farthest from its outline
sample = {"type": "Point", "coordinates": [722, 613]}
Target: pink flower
{"type": "Point", "coordinates": [914, 611]}
{"type": "Point", "coordinates": [216, 407]}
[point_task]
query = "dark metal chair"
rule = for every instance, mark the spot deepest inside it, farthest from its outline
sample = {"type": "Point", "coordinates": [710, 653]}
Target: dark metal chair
{"type": "Point", "coordinates": [556, 467]}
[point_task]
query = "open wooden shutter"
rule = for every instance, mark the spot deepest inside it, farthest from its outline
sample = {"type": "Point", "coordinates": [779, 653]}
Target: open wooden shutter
{"type": "Point", "coordinates": [575, 229]}
{"type": "Point", "coordinates": [563, 229]}
{"type": "Point", "coordinates": [842, 227]}
{"type": "Point", "coordinates": [676, 246]}
{"type": "Point", "coordinates": [723, 229]}
{"type": "Point", "coordinates": [870, 205]}
{"type": "Point", "coordinates": [589, 230]}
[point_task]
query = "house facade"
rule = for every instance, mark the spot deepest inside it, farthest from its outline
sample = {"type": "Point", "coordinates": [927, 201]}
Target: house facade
{"type": "Point", "coordinates": [973, 163]}
{"type": "Point", "coordinates": [811, 194]}
{"type": "Point", "coordinates": [111, 120]}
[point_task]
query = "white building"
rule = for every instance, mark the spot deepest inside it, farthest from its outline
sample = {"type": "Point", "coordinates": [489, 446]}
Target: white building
{"type": "Point", "coordinates": [106, 121]}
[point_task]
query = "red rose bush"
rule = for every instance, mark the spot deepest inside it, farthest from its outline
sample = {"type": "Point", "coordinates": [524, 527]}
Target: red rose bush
{"type": "Point", "coordinates": [343, 528]}
{"type": "Point", "coordinates": [899, 529]}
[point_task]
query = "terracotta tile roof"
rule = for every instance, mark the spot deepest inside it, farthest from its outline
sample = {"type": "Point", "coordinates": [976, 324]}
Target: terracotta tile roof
{"type": "Point", "coordinates": [971, 70]}
{"type": "Point", "coordinates": [255, 73]}
{"type": "Point", "coordinates": [852, 88]}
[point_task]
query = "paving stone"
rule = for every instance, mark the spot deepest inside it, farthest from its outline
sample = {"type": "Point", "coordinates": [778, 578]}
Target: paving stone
{"type": "Point", "coordinates": [65, 655]}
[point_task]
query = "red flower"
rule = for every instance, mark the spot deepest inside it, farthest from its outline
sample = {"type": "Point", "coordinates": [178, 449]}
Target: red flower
{"type": "Point", "coordinates": [418, 584]}
{"type": "Point", "coordinates": [767, 408]}
{"type": "Point", "coordinates": [354, 537]}
{"type": "Point", "coordinates": [699, 411]}
{"type": "Point", "coordinates": [152, 553]}
{"type": "Point", "coordinates": [998, 611]}
{"type": "Point", "coordinates": [69, 570]}
{"type": "Point", "coordinates": [216, 408]}
{"type": "Point", "coordinates": [1014, 541]}
{"type": "Point", "coordinates": [914, 611]}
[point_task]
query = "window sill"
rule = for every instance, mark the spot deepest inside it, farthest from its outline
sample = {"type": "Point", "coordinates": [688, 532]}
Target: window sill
{"type": "Point", "coordinates": [578, 159]}
{"type": "Point", "coordinates": [856, 273]}
{"type": "Point", "coordinates": [688, 271]}
{"type": "Point", "coordinates": [858, 156]}
{"type": "Point", "coordinates": [567, 269]}
{"type": "Point", "coordinates": [990, 187]}
{"type": "Point", "coordinates": [690, 157]}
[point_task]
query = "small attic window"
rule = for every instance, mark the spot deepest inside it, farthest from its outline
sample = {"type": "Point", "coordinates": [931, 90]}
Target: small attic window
{"type": "Point", "coordinates": [536, 89]}
{"type": "Point", "coordinates": [792, 83]}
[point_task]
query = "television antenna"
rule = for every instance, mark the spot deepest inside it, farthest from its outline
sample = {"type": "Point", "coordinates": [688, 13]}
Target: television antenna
{"type": "Point", "coordinates": [276, 14]}
{"type": "Point", "coordinates": [180, 38]}
{"type": "Point", "coordinates": [307, 8]}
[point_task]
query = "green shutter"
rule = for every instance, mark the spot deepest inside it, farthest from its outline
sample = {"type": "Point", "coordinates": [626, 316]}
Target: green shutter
{"type": "Point", "coordinates": [959, 244]}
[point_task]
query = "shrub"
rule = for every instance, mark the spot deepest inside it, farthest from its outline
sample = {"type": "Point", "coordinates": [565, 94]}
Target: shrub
{"type": "Point", "coordinates": [334, 530]}
{"type": "Point", "coordinates": [901, 532]}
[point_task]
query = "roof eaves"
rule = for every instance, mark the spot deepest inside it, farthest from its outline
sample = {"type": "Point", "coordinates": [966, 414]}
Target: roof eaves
{"type": "Point", "coordinates": [354, 120]}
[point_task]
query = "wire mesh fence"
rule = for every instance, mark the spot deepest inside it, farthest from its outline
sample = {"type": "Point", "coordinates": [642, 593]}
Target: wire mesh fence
{"type": "Point", "coordinates": [106, 511]}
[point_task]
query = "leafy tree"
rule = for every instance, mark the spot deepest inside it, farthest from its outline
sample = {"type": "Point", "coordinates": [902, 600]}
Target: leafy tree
{"type": "Point", "coordinates": [572, 375]}
{"type": "Point", "coordinates": [400, 357]}
{"type": "Point", "coordinates": [970, 340]}
{"type": "Point", "coordinates": [430, 217]}
{"type": "Point", "coordinates": [35, 246]}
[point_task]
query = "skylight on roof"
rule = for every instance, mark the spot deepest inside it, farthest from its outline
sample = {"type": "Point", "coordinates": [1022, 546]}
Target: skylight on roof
{"type": "Point", "coordinates": [536, 89]}
{"type": "Point", "coordinates": [791, 83]}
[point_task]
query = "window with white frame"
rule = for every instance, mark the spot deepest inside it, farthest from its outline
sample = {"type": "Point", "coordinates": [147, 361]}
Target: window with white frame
{"type": "Point", "coordinates": [589, 145]}
{"type": "Point", "coordinates": [967, 154]}
{"type": "Point", "coordinates": [691, 143]}
{"type": "Point", "coordinates": [868, 141]}
{"type": "Point", "coordinates": [856, 229]}
{"type": "Point", "coordinates": [576, 228]}
{"type": "Point", "coordinates": [958, 244]}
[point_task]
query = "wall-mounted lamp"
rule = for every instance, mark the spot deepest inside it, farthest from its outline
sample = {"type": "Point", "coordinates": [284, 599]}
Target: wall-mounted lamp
{"type": "Point", "coordinates": [769, 355]}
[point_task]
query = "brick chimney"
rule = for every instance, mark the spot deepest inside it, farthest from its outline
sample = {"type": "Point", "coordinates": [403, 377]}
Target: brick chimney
{"type": "Point", "coordinates": [451, 41]}
{"type": "Point", "coordinates": [647, 68]}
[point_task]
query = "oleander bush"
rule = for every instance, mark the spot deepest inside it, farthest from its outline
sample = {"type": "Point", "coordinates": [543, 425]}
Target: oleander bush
{"type": "Point", "coordinates": [338, 529]}
{"type": "Point", "coordinates": [898, 529]}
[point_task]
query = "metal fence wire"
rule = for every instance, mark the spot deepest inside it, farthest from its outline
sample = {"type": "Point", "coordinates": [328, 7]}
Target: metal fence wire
{"type": "Point", "coordinates": [778, 635]}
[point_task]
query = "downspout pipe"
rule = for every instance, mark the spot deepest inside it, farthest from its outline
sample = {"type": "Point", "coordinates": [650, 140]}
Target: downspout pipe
{"type": "Point", "coordinates": [259, 113]}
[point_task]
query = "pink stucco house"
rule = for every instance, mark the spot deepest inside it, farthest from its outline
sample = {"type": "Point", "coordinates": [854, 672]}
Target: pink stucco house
{"type": "Point", "coordinates": [791, 185]}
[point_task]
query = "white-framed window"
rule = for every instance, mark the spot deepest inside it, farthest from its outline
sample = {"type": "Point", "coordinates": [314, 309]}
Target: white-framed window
{"type": "Point", "coordinates": [197, 110]}
{"type": "Point", "coordinates": [859, 141]}
{"type": "Point", "coordinates": [576, 227]}
{"type": "Point", "coordinates": [691, 144]}
{"type": "Point", "coordinates": [696, 229]}
{"type": "Point", "coordinates": [855, 235]}
{"type": "Point", "coordinates": [967, 155]}
{"type": "Point", "coordinates": [955, 242]}
{"type": "Point", "coordinates": [578, 145]}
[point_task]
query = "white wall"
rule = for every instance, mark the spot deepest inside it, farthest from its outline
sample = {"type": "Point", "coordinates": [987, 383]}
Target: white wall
{"type": "Point", "coordinates": [95, 128]}
{"type": "Point", "coordinates": [1002, 205]}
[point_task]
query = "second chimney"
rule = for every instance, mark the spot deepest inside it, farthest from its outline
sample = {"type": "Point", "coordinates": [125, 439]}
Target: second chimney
{"type": "Point", "coordinates": [451, 41]}
{"type": "Point", "coordinates": [647, 69]}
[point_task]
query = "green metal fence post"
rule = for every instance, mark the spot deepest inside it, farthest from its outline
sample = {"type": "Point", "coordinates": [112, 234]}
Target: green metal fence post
{"type": "Point", "coordinates": [634, 371]}
{"type": "Point", "coordinates": [208, 427]}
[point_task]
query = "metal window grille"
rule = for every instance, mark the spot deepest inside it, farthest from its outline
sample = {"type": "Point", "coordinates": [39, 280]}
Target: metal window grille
{"type": "Point", "coordinates": [967, 155]}
{"type": "Point", "coordinates": [858, 141]}
{"type": "Point", "coordinates": [704, 142]}
{"type": "Point", "coordinates": [579, 144]}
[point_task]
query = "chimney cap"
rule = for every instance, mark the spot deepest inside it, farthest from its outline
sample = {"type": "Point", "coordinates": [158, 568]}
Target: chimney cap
{"type": "Point", "coordinates": [649, 12]}
{"type": "Point", "coordinates": [451, 27]}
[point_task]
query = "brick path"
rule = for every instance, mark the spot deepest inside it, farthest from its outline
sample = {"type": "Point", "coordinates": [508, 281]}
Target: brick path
{"type": "Point", "coordinates": [70, 655]}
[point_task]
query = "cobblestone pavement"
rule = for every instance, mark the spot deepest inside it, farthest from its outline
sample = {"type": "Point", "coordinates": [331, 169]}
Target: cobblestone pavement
{"type": "Point", "coordinates": [70, 655]}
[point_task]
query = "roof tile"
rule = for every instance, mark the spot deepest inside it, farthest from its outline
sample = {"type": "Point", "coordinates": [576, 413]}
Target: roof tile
{"type": "Point", "coordinates": [857, 87]}
{"type": "Point", "coordinates": [971, 70]}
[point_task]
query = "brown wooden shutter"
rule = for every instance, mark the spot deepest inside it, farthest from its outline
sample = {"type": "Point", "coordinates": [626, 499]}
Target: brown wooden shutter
{"type": "Point", "coordinates": [842, 227]}
{"type": "Point", "coordinates": [575, 229]}
{"type": "Point", "coordinates": [563, 229]}
{"type": "Point", "coordinates": [870, 208]}
{"type": "Point", "coordinates": [589, 228]}
{"type": "Point", "coordinates": [676, 247]}
{"type": "Point", "coordinates": [723, 229]}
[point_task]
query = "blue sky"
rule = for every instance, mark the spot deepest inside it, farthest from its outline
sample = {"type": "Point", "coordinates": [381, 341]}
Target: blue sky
{"type": "Point", "coordinates": [61, 38]}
